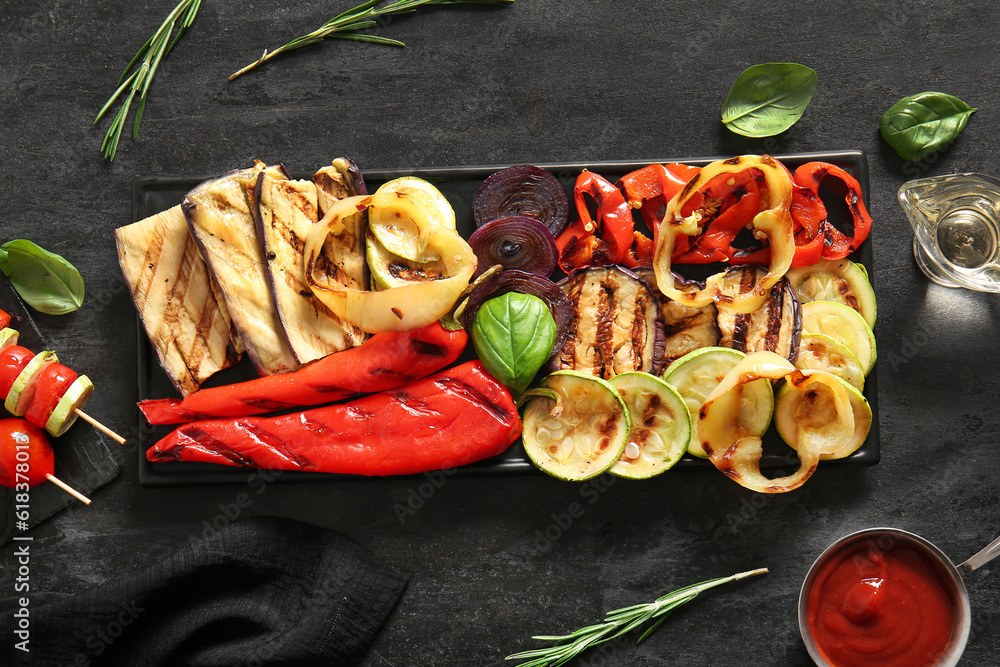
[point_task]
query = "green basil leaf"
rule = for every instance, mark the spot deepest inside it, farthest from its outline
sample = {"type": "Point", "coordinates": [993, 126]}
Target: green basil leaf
{"type": "Point", "coordinates": [513, 335]}
{"type": "Point", "coordinates": [920, 124]}
{"type": "Point", "coordinates": [768, 99]}
{"type": "Point", "coordinates": [45, 280]}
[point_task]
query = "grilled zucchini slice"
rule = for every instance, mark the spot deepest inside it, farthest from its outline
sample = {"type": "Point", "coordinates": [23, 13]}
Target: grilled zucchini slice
{"type": "Point", "coordinates": [580, 430]}
{"type": "Point", "coordinates": [838, 280]}
{"type": "Point", "coordinates": [661, 425]}
{"type": "Point", "coordinates": [696, 374]}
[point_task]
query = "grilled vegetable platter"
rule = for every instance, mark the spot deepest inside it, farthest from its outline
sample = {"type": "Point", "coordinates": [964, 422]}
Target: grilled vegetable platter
{"type": "Point", "coordinates": [610, 340]}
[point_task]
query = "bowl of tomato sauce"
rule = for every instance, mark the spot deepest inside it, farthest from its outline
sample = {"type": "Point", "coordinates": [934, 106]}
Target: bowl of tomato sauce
{"type": "Point", "coordinates": [885, 597]}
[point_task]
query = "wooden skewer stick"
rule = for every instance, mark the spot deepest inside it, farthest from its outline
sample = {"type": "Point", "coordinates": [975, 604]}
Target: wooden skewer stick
{"type": "Point", "coordinates": [99, 426]}
{"type": "Point", "coordinates": [68, 489]}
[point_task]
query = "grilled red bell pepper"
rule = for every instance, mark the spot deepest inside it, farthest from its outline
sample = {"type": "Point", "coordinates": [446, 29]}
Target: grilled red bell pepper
{"type": "Point", "coordinates": [809, 216]}
{"type": "Point", "coordinates": [384, 361]}
{"type": "Point", "coordinates": [651, 187]}
{"type": "Point", "coordinates": [838, 245]}
{"type": "Point", "coordinates": [4, 319]}
{"type": "Point", "coordinates": [458, 416]}
{"type": "Point", "coordinates": [53, 382]}
{"type": "Point", "coordinates": [730, 202]}
{"type": "Point", "coordinates": [607, 240]}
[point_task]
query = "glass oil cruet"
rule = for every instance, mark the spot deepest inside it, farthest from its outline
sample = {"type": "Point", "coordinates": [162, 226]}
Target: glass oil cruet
{"type": "Point", "coordinates": [956, 241]}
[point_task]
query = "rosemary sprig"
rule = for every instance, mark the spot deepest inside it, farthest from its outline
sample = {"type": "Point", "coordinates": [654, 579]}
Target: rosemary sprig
{"type": "Point", "coordinates": [152, 52]}
{"type": "Point", "coordinates": [346, 24]}
{"type": "Point", "coordinates": [617, 623]}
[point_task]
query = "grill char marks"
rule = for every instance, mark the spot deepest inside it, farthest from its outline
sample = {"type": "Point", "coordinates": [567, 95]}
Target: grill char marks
{"type": "Point", "coordinates": [604, 308]}
{"type": "Point", "coordinates": [194, 436]}
{"type": "Point", "coordinates": [186, 322]}
{"type": "Point", "coordinates": [774, 327]}
{"type": "Point", "coordinates": [473, 395]}
{"type": "Point", "coordinates": [685, 329]}
{"type": "Point", "coordinates": [615, 320]}
{"type": "Point", "coordinates": [219, 217]}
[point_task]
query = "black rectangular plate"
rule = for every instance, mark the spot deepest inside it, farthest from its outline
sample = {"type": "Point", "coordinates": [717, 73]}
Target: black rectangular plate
{"type": "Point", "coordinates": [458, 184]}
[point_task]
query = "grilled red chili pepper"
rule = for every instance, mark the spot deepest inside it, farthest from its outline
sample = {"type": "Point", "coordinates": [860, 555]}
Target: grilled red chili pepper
{"type": "Point", "coordinates": [458, 416]}
{"type": "Point", "coordinates": [580, 245]}
{"type": "Point", "coordinates": [384, 361]}
{"type": "Point", "coordinates": [53, 382]}
{"type": "Point", "coordinates": [838, 245]}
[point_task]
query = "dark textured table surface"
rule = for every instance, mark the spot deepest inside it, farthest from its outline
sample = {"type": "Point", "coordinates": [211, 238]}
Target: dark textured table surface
{"type": "Point", "coordinates": [494, 560]}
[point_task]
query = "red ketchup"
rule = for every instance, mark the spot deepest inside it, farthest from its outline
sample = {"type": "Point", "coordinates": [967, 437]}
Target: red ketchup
{"type": "Point", "coordinates": [889, 607]}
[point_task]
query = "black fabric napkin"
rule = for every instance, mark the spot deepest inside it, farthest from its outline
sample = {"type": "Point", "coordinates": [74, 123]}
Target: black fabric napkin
{"type": "Point", "coordinates": [259, 592]}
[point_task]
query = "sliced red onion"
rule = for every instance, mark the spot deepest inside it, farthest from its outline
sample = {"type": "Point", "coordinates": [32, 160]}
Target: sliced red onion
{"type": "Point", "coordinates": [513, 280]}
{"type": "Point", "coordinates": [515, 243]}
{"type": "Point", "coordinates": [522, 190]}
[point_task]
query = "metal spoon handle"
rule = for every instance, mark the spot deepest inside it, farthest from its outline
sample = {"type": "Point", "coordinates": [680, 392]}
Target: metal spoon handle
{"type": "Point", "coordinates": [985, 555]}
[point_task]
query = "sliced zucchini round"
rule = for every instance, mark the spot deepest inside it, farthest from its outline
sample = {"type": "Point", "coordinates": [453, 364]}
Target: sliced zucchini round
{"type": "Point", "coordinates": [8, 337]}
{"type": "Point", "coordinates": [23, 390]}
{"type": "Point", "coordinates": [404, 211]}
{"type": "Point", "coordinates": [390, 270]}
{"type": "Point", "coordinates": [820, 352]}
{"type": "Point", "coordinates": [64, 414]}
{"type": "Point", "coordinates": [698, 373]}
{"type": "Point", "coordinates": [839, 280]}
{"type": "Point", "coordinates": [580, 433]}
{"type": "Point", "coordinates": [826, 409]}
{"type": "Point", "coordinates": [843, 324]}
{"type": "Point", "coordinates": [661, 425]}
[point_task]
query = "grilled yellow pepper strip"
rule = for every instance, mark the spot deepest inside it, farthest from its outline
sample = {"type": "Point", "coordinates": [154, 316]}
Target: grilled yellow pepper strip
{"type": "Point", "coordinates": [773, 222]}
{"type": "Point", "coordinates": [399, 308]}
{"type": "Point", "coordinates": [735, 452]}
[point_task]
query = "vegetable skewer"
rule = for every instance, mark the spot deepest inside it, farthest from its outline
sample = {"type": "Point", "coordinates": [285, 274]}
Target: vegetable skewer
{"type": "Point", "coordinates": [40, 389]}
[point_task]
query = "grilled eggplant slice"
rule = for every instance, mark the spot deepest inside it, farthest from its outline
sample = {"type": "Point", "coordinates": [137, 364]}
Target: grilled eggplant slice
{"type": "Point", "coordinates": [188, 327]}
{"type": "Point", "coordinates": [219, 216]}
{"type": "Point", "coordinates": [343, 258]}
{"type": "Point", "coordinates": [616, 322]}
{"type": "Point", "coordinates": [774, 327]}
{"type": "Point", "coordinates": [685, 329]}
{"type": "Point", "coordinates": [285, 211]}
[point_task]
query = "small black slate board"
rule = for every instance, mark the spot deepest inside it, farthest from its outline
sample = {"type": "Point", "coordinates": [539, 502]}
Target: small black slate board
{"type": "Point", "coordinates": [83, 459]}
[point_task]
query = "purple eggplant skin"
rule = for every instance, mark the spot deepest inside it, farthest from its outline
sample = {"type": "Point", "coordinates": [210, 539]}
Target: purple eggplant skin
{"type": "Point", "coordinates": [797, 326]}
{"type": "Point", "coordinates": [681, 328]}
{"type": "Point", "coordinates": [352, 172]}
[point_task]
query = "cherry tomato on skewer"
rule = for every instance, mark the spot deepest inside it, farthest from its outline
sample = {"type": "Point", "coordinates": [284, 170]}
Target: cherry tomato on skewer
{"type": "Point", "coordinates": [24, 449]}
